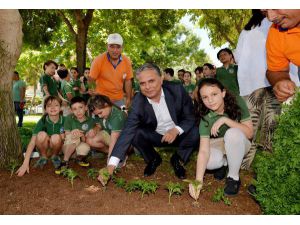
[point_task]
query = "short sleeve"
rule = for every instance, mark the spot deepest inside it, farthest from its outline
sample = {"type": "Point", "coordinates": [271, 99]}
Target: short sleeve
{"type": "Point", "coordinates": [204, 129]}
{"type": "Point", "coordinates": [38, 127]}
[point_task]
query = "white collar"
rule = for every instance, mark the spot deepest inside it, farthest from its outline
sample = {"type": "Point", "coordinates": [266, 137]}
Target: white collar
{"type": "Point", "coordinates": [162, 95]}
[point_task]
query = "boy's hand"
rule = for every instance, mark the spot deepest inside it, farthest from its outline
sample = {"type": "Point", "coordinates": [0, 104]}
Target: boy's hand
{"type": "Point", "coordinates": [22, 170]}
{"type": "Point", "coordinates": [77, 133]}
{"type": "Point", "coordinates": [91, 133]}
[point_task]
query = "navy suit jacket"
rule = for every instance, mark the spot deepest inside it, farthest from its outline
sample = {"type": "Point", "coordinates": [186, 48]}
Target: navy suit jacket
{"type": "Point", "coordinates": [142, 115]}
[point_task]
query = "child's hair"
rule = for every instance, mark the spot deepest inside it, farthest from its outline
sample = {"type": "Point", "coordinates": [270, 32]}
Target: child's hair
{"type": "Point", "coordinates": [199, 68]}
{"type": "Point", "coordinates": [255, 20]}
{"type": "Point", "coordinates": [210, 66]}
{"type": "Point", "coordinates": [99, 102]}
{"type": "Point", "coordinates": [49, 62]}
{"type": "Point", "coordinates": [50, 99]}
{"type": "Point", "coordinates": [62, 73]}
{"type": "Point", "coordinates": [169, 71]}
{"type": "Point", "coordinates": [224, 50]}
{"type": "Point", "coordinates": [74, 68]}
{"type": "Point", "coordinates": [181, 70]}
{"type": "Point", "coordinates": [231, 108]}
{"type": "Point", "coordinates": [188, 73]}
{"type": "Point", "coordinates": [77, 99]}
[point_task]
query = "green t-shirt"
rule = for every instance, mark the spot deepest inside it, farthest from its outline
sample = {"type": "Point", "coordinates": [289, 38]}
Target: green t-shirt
{"type": "Point", "coordinates": [71, 123]}
{"type": "Point", "coordinates": [45, 124]}
{"type": "Point", "coordinates": [209, 119]}
{"type": "Point", "coordinates": [51, 84]}
{"type": "Point", "coordinates": [228, 77]}
{"type": "Point", "coordinates": [115, 121]}
{"type": "Point", "coordinates": [17, 86]}
{"type": "Point", "coordinates": [189, 88]}
{"type": "Point", "coordinates": [76, 83]}
{"type": "Point", "coordinates": [66, 87]}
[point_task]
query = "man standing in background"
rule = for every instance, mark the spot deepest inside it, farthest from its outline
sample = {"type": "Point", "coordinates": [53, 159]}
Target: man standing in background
{"type": "Point", "coordinates": [19, 88]}
{"type": "Point", "coordinates": [111, 70]}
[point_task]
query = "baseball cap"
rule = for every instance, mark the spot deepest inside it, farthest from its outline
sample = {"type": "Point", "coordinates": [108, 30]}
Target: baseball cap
{"type": "Point", "coordinates": [115, 39]}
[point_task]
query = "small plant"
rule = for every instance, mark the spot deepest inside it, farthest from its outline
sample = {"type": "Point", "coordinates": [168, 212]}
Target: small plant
{"type": "Point", "coordinates": [13, 164]}
{"type": "Point", "coordinates": [141, 185]}
{"type": "Point", "coordinates": [219, 196]}
{"type": "Point", "coordinates": [120, 182]}
{"type": "Point", "coordinates": [196, 184]}
{"type": "Point", "coordinates": [148, 187]}
{"type": "Point", "coordinates": [104, 175]}
{"type": "Point", "coordinates": [174, 188]}
{"type": "Point", "coordinates": [70, 174]}
{"type": "Point", "coordinates": [92, 173]}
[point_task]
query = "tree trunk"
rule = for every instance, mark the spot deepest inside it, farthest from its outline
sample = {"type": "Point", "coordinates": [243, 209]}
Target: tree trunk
{"type": "Point", "coordinates": [81, 40]}
{"type": "Point", "coordinates": [10, 48]}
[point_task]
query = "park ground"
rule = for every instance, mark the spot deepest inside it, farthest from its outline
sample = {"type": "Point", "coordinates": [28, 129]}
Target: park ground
{"type": "Point", "coordinates": [43, 192]}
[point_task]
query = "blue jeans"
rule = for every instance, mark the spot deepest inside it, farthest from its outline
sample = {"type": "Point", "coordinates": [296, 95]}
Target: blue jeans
{"type": "Point", "coordinates": [19, 112]}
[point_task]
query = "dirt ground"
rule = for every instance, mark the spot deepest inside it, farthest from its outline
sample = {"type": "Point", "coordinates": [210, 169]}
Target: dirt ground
{"type": "Point", "coordinates": [44, 192]}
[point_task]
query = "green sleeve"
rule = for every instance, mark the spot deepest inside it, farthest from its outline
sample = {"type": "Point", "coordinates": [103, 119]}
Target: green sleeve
{"type": "Point", "coordinates": [118, 121]}
{"type": "Point", "coordinates": [204, 129]}
{"type": "Point", "coordinates": [38, 127]}
{"type": "Point", "coordinates": [245, 115]}
{"type": "Point", "coordinates": [44, 81]}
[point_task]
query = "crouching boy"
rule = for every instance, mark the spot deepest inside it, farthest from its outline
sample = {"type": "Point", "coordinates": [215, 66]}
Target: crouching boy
{"type": "Point", "coordinates": [78, 127]}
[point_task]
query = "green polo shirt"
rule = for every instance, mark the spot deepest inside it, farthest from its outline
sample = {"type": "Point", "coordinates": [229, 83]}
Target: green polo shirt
{"type": "Point", "coordinates": [115, 121]}
{"type": "Point", "coordinates": [17, 86]}
{"type": "Point", "coordinates": [228, 77]}
{"type": "Point", "coordinates": [189, 88]}
{"type": "Point", "coordinates": [47, 80]}
{"type": "Point", "coordinates": [71, 123]}
{"type": "Point", "coordinates": [66, 88]}
{"type": "Point", "coordinates": [45, 124]}
{"type": "Point", "coordinates": [209, 119]}
{"type": "Point", "coordinates": [76, 83]}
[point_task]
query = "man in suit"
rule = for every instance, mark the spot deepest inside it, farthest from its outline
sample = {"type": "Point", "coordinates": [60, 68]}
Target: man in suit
{"type": "Point", "coordinates": [162, 114]}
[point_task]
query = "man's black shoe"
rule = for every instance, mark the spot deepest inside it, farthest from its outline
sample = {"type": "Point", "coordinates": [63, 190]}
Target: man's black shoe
{"type": "Point", "coordinates": [232, 186]}
{"type": "Point", "coordinates": [220, 173]}
{"type": "Point", "coordinates": [151, 166]}
{"type": "Point", "coordinates": [178, 168]}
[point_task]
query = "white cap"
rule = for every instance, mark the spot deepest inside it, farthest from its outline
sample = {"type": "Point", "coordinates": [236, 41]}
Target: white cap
{"type": "Point", "coordinates": [115, 39]}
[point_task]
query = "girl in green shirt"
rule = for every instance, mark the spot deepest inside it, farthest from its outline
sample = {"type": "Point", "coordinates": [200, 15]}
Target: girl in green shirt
{"type": "Point", "coordinates": [48, 133]}
{"type": "Point", "coordinates": [225, 129]}
{"type": "Point", "coordinates": [110, 119]}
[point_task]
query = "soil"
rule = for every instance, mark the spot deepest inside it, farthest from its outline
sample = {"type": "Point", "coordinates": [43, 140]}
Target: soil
{"type": "Point", "coordinates": [44, 192]}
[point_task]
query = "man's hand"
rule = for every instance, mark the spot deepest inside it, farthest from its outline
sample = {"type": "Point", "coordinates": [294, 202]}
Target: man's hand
{"type": "Point", "coordinates": [105, 174]}
{"type": "Point", "coordinates": [284, 89]}
{"type": "Point", "coordinates": [170, 136]}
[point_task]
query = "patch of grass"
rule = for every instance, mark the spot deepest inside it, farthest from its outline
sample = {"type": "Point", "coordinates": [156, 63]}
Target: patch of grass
{"type": "Point", "coordinates": [13, 164]}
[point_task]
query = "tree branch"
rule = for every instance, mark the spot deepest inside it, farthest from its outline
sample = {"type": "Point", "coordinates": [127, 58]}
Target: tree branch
{"type": "Point", "coordinates": [67, 21]}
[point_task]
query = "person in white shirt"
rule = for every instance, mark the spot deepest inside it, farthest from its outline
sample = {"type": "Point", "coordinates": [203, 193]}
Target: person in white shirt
{"type": "Point", "coordinates": [162, 114]}
{"type": "Point", "coordinates": [250, 55]}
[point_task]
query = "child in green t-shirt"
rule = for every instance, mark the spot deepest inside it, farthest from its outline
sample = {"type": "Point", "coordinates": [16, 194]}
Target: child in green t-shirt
{"type": "Point", "coordinates": [225, 130]}
{"type": "Point", "coordinates": [47, 82]}
{"type": "Point", "coordinates": [78, 86]}
{"type": "Point", "coordinates": [78, 128]}
{"type": "Point", "coordinates": [48, 133]}
{"type": "Point", "coordinates": [187, 83]}
{"type": "Point", "coordinates": [66, 90]}
{"type": "Point", "coordinates": [111, 120]}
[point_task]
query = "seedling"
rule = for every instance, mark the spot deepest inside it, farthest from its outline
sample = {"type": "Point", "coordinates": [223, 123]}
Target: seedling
{"type": "Point", "coordinates": [92, 173]}
{"type": "Point", "coordinates": [133, 186]}
{"type": "Point", "coordinates": [174, 188]}
{"type": "Point", "coordinates": [70, 174]}
{"type": "Point", "coordinates": [148, 187]}
{"type": "Point", "coordinates": [13, 164]}
{"type": "Point", "coordinates": [104, 175]}
{"type": "Point", "coordinates": [196, 184]}
{"type": "Point", "coordinates": [219, 196]}
{"type": "Point", "coordinates": [120, 182]}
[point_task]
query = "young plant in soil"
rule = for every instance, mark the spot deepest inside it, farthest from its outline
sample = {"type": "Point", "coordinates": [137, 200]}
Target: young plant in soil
{"type": "Point", "coordinates": [174, 188]}
{"type": "Point", "coordinates": [219, 196]}
{"type": "Point", "coordinates": [13, 164]}
{"type": "Point", "coordinates": [195, 184]}
{"type": "Point", "coordinates": [70, 174]}
{"type": "Point", "coordinates": [133, 186]}
{"type": "Point", "coordinates": [120, 182]}
{"type": "Point", "coordinates": [92, 173]}
{"type": "Point", "coordinates": [105, 175]}
{"type": "Point", "coordinates": [148, 187]}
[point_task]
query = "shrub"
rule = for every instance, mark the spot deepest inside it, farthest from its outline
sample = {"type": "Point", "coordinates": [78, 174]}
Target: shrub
{"type": "Point", "coordinates": [278, 174]}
